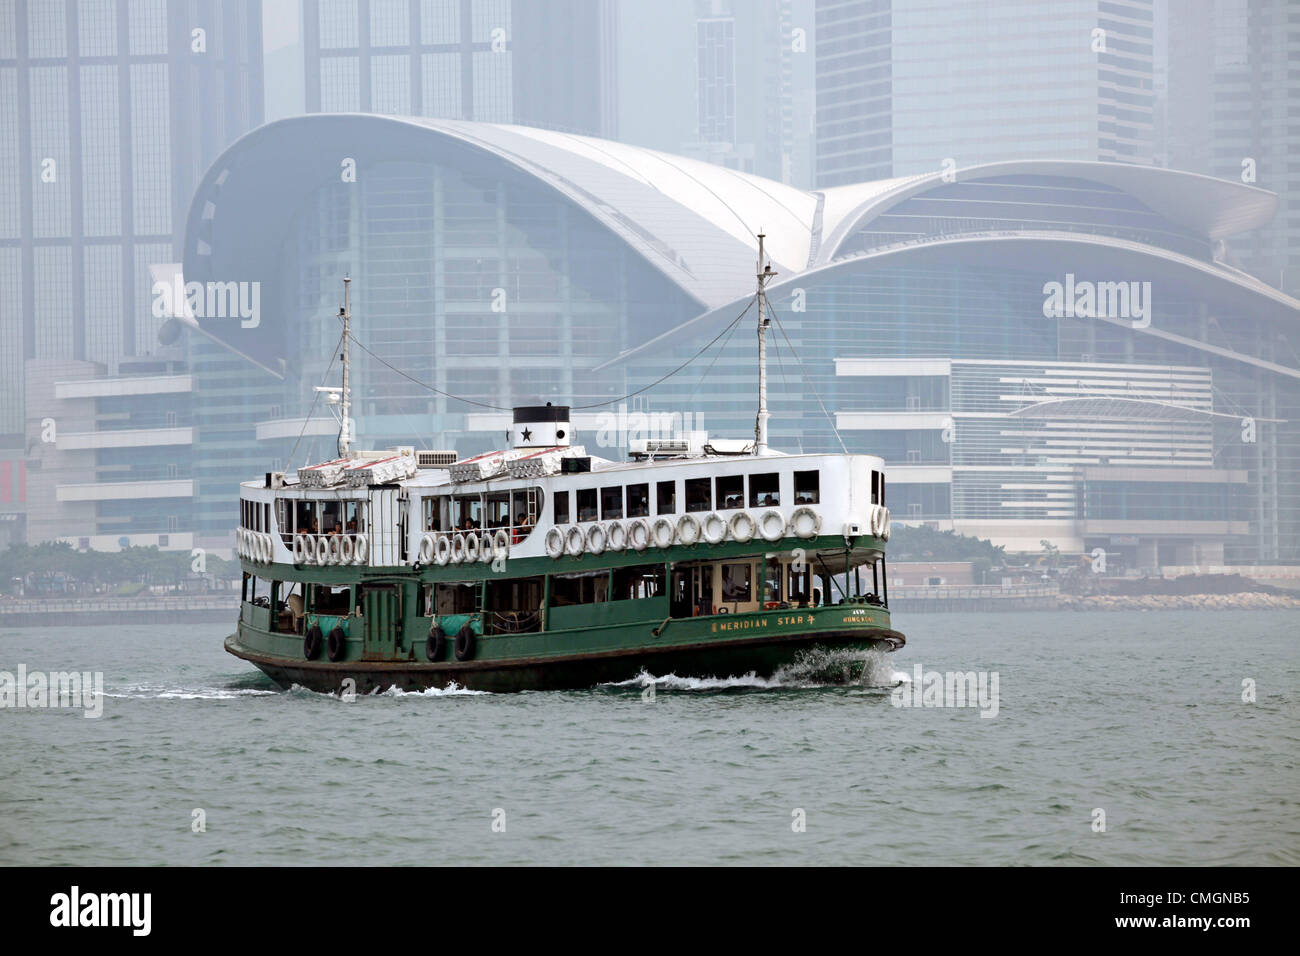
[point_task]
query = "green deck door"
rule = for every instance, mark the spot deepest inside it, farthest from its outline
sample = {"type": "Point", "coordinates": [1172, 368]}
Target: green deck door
{"type": "Point", "coordinates": [382, 616]}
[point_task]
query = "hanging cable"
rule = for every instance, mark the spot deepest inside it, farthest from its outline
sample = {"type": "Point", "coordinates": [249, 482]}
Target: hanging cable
{"type": "Point", "coordinates": [311, 411]}
{"type": "Point", "coordinates": [790, 345]}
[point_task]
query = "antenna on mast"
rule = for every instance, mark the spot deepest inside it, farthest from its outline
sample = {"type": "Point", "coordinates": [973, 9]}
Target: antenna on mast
{"type": "Point", "coordinates": [760, 423]}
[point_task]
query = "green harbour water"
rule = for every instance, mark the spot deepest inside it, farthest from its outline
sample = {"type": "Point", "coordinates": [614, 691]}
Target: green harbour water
{"type": "Point", "coordinates": [1137, 714]}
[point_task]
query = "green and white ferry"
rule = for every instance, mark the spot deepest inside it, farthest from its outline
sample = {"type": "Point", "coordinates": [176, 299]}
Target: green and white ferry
{"type": "Point", "coordinates": [541, 566]}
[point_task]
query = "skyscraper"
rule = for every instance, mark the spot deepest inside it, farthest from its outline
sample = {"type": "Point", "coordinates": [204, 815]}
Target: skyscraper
{"type": "Point", "coordinates": [1234, 113]}
{"type": "Point", "coordinates": [910, 86]}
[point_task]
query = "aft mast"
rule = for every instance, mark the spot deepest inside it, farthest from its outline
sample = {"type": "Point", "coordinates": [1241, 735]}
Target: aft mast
{"type": "Point", "coordinates": [345, 435]}
{"type": "Point", "coordinates": [760, 424]}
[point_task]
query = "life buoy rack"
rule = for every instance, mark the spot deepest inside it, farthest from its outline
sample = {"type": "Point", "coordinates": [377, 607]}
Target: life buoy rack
{"type": "Point", "coordinates": [465, 642]}
{"type": "Point", "coordinates": [771, 526]}
{"type": "Point", "coordinates": [615, 536]}
{"type": "Point", "coordinates": [337, 644]}
{"type": "Point", "coordinates": [805, 522]}
{"type": "Point", "coordinates": [597, 539]}
{"type": "Point", "coordinates": [714, 528]}
{"type": "Point", "coordinates": [575, 540]}
{"type": "Point", "coordinates": [435, 648]}
{"type": "Point", "coordinates": [442, 550]}
{"type": "Point", "coordinates": [555, 542]}
{"type": "Point", "coordinates": [742, 526]}
{"type": "Point", "coordinates": [638, 534]}
{"type": "Point", "coordinates": [311, 643]}
{"type": "Point", "coordinates": [688, 529]}
{"type": "Point", "coordinates": [664, 532]}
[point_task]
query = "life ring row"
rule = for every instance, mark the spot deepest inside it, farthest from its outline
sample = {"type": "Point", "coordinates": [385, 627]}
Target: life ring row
{"type": "Point", "coordinates": [463, 547]}
{"type": "Point", "coordinates": [326, 549]}
{"type": "Point", "coordinates": [880, 522]}
{"type": "Point", "coordinates": [256, 546]}
{"type": "Point", "coordinates": [639, 533]}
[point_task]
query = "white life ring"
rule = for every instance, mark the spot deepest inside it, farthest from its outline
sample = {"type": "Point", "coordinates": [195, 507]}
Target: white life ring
{"type": "Point", "coordinates": [426, 549]}
{"type": "Point", "coordinates": [663, 532]}
{"type": "Point", "coordinates": [771, 526]}
{"type": "Point", "coordinates": [485, 547]}
{"type": "Point", "coordinates": [688, 529]}
{"type": "Point", "coordinates": [268, 550]}
{"type": "Point", "coordinates": [501, 544]}
{"type": "Point", "coordinates": [877, 520]}
{"type": "Point", "coordinates": [805, 522]}
{"type": "Point", "coordinates": [347, 549]}
{"type": "Point", "coordinates": [742, 526]}
{"type": "Point", "coordinates": [554, 542]}
{"type": "Point", "coordinates": [336, 549]}
{"type": "Point", "coordinates": [362, 550]}
{"type": "Point", "coordinates": [638, 534]}
{"type": "Point", "coordinates": [300, 549]}
{"type": "Point", "coordinates": [884, 526]}
{"type": "Point", "coordinates": [575, 540]}
{"type": "Point", "coordinates": [615, 536]}
{"type": "Point", "coordinates": [322, 550]}
{"type": "Point", "coordinates": [714, 528]}
{"type": "Point", "coordinates": [471, 547]}
{"type": "Point", "coordinates": [239, 542]}
{"type": "Point", "coordinates": [442, 550]}
{"type": "Point", "coordinates": [458, 548]}
{"type": "Point", "coordinates": [597, 539]}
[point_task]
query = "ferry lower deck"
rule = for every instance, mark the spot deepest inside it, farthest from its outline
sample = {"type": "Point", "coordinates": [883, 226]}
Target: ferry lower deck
{"type": "Point", "coordinates": [728, 609]}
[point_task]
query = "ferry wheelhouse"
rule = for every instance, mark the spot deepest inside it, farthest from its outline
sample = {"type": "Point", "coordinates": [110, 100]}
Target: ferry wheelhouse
{"type": "Point", "coordinates": [541, 566]}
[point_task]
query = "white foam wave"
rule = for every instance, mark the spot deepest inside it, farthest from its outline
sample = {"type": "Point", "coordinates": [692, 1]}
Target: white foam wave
{"type": "Point", "coordinates": [816, 667]}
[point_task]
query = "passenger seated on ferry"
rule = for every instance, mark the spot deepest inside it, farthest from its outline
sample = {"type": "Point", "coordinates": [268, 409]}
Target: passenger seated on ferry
{"type": "Point", "coordinates": [522, 527]}
{"type": "Point", "coordinates": [467, 525]}
{"type": "Point", "coordinates": [733, 501]}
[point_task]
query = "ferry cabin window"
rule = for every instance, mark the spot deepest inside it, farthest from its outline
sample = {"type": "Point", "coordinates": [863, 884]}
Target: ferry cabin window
{"type": "Point", "coordinates": [457, 598]}
{"type": "Point", "coordinates": [764, 490]}
{"type": "Point", "coordinates": [326, 599]}
{"type": "Point", "coordinates": [304, 519]}
{"type": "Point", "coordinates": [498, 509]}
{"type": "Point", "coordinates": [807, 487]}
{"type": "Point", "coordinates": [882, 488]}
{"type": "Point", "coordinates": [467, 512]}
{"type": "Point", "coordinates": [591, 587]}
{"type": "Point", "coordinates": [699, 494]}
{"type": "Point", "coordinates": [433, 514]}
{"type": "Point", "coordinates": [353, 517]}
{"type": "Point", "coordinates": [638, 501]}
{"type": "Point", "coordinates": [639, 581]}
{"type": "Point", "coordinates": [525, 505]}
{"type": "Point", "coordinates": [798, 585]}
{"type": "Point", "coordinates": [611, 503]}
{"type": "Point", "coordinates": [875, 487]}
{"type": "Point", "coordinates": [562, 507]}
{"type": "Point", "coordinates": [586, 504]}
{"type": "Point", "coordinates": [731, 491]}
{"type": "Point", "coordinates": [666, 498]}
{"type": "Point", "coordinates": [772, 580]}
{"type": "Point", "coordinates": [331, 517]}
{"type": "Point", "coordinates": [736, 586]}
{"type": "Point", "coordinates": [284, 516]}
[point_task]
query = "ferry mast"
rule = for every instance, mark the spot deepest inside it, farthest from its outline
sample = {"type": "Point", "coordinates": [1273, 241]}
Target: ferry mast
{"type": "Point", "coordinates": [760, 424]}
{"type": "Point", "coordinates": [345, 435]}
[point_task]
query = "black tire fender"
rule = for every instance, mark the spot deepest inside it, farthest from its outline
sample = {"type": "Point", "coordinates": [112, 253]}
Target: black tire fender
{"type": "Point", "coordinates": [337, 645]}
{"type": "Point", "coordinates": [435, 648]}
{"type": "Point", "coordinates": [465, 643]}
{"type": "Point", "coordinates": [311, 643]}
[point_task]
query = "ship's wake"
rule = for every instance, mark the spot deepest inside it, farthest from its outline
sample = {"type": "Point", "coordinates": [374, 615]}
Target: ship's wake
{"type": "Point", "coordinates": [815, 667]}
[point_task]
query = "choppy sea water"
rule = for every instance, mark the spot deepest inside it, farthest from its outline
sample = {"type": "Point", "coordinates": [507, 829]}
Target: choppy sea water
{"type": "Point", "coordinates": [1137, 714]}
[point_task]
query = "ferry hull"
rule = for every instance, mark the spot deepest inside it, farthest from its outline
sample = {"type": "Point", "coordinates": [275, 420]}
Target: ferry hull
{"type": "Point", "coordinates": [762, 655]}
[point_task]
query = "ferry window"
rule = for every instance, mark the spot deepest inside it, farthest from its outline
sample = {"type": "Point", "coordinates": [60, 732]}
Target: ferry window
{"type": "Point", "coordinates": [736, 585]}
{"type": "Point", "coordinates": [561, 507]}
{"type": "Point", "coordinates": [433, 514]}
{"type": "Point", "coordinates": [498, 509]}
{"type": "Point", "coordinates": [525, 505]}
{"type": "Point", "coordinates": [875, 487]}
{"type": "Point", "coordinates": [589, 588]}
{"type": "Point", "coordinates": [638, 501]}
{"type": "Point", "coordinates": [797, 585]}
{"type": "Point", "coordinates": [266, 516]}
{"type": "Point", "coordinates": [458, 598]}
{"type": "Point", "coordinates": [882, 488]}
{"type": "Point", "coordinates": [699, 494]}
{"type": "Point", "coordinates": [352, 517]}
{"type": "Point", "coordinates": [772, 580]}
{"type": "Point", "coordinates": [305, 520]}
{"type": "Point", "coordinates": [764, 490]}
{"type": "Point", "coordinates": [666, 498]}
{"type": "Point", "coordinates": [284, 515]}
{"type": "Point", "coordinates": [639, 581]}
{"type": "Point", "coordinates": [331, 600]}
{"type": "Point", "coordinates": [731, 491]}
{"type": "Point", "coordinates": [468, 512]}
{"type": "Point", "coordinates": [807, 487]}
{"type": "Point", "coordinates": [586, 504]}
{"type": "Point", "coordinates": [329, 521]}
{"type": "Point", "coordinates": [611, 502]}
